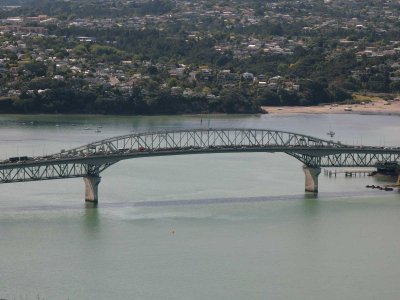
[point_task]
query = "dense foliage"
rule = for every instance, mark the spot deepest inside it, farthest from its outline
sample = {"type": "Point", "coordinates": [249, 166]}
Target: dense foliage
{"type": "Point", "coordinates": [118, 56]}
{"type": "Point", "coordinates": [64, 99]}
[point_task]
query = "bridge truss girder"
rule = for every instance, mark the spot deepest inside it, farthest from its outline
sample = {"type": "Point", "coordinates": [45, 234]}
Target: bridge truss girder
{"type": "Point", "coordinates": [92, 159]}
{"type": "Point", "coordinates": [199, 138]}
{"type": "Point", "coordinates": [24, 173]}
{"type": "Point", "coordinates": [346, 159]}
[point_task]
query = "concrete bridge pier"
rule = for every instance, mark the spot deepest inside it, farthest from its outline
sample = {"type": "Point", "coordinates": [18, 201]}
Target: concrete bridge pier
{"type": "Point", "coordinates": [92, 188]}
{"type": "Point", "coordinates": [311, 175]}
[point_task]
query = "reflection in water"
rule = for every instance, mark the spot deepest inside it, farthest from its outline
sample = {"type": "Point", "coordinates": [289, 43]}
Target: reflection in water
{"type": "Point", "coordinates": [89, 204]}
{"type": "Point", "coordinates": [92, 209]}
{"type": "Point", "coordinates": [308, 196]}
{"type": "Point", "coordinates": [385, 179]}
{"type": "Point", "coordinates": [91, 219]}
{"type": "Point", "coordinates": [311, 204]}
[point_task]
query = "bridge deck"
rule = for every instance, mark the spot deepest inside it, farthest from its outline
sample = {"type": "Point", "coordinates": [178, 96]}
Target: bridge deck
{"type": "Point", "coordinates": [93, 158]}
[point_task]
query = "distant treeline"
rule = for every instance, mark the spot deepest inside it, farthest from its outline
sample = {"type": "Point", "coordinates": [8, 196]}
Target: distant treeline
{"type": "Point", "coordinates": [90, 8]}
{"type": "Point", "coordinates": [64, 97]}
{"type": "Point", "coordinates": [86, 102]}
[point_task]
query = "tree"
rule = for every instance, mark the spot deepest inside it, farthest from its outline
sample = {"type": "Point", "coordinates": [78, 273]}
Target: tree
{"type": "Point", "coordinates": [37, 69]}
{"type": "Point", "coordinates": [268, 97]}
{"type": "Point", "coordinates": [314, 92]}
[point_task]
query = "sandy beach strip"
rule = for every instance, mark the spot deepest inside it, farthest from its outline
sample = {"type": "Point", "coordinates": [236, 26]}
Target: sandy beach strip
{"type": "Point", "coordinates": [378, 107]}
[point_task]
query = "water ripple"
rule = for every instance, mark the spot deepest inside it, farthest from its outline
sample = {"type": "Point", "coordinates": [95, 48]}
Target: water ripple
{"type": "Point", "coordinates": [323, 196]}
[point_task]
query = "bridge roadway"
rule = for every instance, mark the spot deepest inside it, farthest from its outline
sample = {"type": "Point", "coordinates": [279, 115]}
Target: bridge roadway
{"type": "Point", "coordinates": [90, 160]}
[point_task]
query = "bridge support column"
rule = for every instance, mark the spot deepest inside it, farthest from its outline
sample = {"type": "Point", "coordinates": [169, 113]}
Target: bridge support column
{"type": "Point", "coordinates": [91, 188]}
{"type": "Point", "coordinates": [311, 174]}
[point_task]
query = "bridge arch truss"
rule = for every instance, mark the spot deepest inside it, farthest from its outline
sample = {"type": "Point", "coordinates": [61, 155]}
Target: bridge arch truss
{"type": "Point", "coordinates": [91, 159]}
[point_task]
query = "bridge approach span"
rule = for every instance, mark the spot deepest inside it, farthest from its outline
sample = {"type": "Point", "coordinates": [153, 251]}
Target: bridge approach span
{"type": "Point", "coordinates": [90, 160]}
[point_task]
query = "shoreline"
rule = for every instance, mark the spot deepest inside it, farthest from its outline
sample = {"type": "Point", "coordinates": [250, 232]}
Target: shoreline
{"type": "Point", "coordinates": [377, 107]}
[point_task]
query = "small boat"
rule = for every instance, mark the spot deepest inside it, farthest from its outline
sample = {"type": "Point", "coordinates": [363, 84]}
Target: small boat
{"type": "Point", "coordinates": [86, 128]}
{"type": "Point", "coordinates": [97, 130]}
{"type": "Point", "coordinates": [331, 133]}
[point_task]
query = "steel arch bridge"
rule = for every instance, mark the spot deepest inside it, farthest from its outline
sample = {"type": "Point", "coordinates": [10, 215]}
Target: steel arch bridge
{"type": "Point", "coordinates": [90, 160]}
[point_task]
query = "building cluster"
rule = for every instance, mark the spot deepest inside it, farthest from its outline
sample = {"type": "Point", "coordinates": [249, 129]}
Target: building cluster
{"type": "Point", "coordinates": [297, 23]}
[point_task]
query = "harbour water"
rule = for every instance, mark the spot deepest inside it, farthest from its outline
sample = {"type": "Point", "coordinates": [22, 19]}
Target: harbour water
{"type": "Point", "coordinates": [223, 226]}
